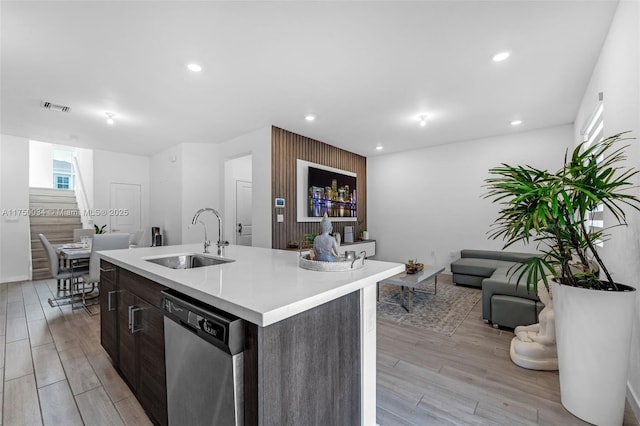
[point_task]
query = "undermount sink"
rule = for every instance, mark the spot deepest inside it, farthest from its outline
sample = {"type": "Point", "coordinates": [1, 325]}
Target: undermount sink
{"type": "Point", "coordinates": [188, 261]}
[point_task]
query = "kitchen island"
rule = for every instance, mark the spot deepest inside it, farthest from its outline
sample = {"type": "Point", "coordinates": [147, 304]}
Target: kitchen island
{"type": "Point", "coordinates": [309, 336]}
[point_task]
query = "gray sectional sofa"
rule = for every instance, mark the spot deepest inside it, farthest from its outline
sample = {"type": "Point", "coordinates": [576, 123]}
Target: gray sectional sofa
{"type": "Point", "coordinates": [504, 303]}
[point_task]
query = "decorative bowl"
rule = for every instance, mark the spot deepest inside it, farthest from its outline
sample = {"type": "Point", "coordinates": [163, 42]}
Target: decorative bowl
{"type": "Point", "coordinates": [412, 268]}
{"type": "Point", "coordinates": [340, 265]}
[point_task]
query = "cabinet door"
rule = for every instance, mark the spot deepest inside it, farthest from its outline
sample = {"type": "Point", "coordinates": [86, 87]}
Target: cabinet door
{"type": "Point", "coordinates": [152, 388]}
{"type": "Point", "coordinates": [128, 356]}
{"type": "Point", "coordinates": [109, 318]}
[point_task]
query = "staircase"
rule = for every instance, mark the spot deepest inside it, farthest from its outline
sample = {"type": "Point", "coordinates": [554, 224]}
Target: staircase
{"type": "Point", "coordinates": [54, 213]}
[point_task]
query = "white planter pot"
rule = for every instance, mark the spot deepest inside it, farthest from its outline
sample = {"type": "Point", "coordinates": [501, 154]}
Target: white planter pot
{"type": "Point", "coordinates": [593, 333]}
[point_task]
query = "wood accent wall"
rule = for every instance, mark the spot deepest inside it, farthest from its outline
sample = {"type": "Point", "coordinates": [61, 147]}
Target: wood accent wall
{"type": "Point", "coordinates": [286, 148]}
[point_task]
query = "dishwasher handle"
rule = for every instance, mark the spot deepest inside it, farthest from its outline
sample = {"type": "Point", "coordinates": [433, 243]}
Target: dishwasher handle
{"type": "Point", "coordinates": [219, 328]}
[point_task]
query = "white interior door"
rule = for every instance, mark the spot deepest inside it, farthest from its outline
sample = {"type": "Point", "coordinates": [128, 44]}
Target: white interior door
{"type": "Point", "coordinates": [243, 213]}
{"type": "Point", "coordinates": [124, 208]}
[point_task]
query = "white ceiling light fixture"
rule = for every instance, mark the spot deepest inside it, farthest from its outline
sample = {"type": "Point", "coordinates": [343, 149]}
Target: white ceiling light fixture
{"type": "Point", "coordinates": [501, 56]}
{"type": "Point", "coordinates": [194, 67]}
{"type": "Point", "coordinates": [310, 117]}
{"type": "Point", "coordinates": [110, 119]}
{"type": "Point", "coordinates": [516, 122]}
{"type": "Point", "coordinates": [422, 119]}
{"type": "Point", "coordinates": [379, 148]}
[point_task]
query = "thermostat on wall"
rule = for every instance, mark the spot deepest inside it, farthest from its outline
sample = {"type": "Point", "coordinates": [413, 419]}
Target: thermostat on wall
{"type": "Point", "coordinates": [279, 202]}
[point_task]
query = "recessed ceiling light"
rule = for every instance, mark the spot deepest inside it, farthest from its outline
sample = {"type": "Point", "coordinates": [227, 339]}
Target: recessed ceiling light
{"type": "Point", "coordinates": [194, 67]}
{"type": "Point", "coordinates": [422, 119]}
{"type": "Point", "coordinates": [499, 57]}
{"type": "Point", "coordinates": [110, 116]}
{"type": "Point", "coordinates": [310, 117]}
{"type": "Point", "coordinates": [516, 122]}
{"type": "Point", "coordinates": [379, 148]}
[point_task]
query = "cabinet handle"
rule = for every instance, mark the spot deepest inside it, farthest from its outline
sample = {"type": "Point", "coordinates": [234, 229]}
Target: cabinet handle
{"type": "Point", "coordinates": [107, 270]}
{"type": "Point", "coordinates": [110, 306]}
{"type": "Point", "coordinates": [132, 318]}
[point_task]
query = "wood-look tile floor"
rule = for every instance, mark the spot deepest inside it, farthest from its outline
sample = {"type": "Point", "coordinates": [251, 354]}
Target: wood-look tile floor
{"type": "Point", "coordinates": [426, 378]}
{"type": "Point", "coordinates": [56, 373]}
{"type": "Point", "coordinates": [54, 370]}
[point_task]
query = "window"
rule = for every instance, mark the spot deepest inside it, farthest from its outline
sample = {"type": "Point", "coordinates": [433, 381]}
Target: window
{"type": "Point", "coordinates": [62, 182]}
{"type": "Point", "coordinates": [593, 132]}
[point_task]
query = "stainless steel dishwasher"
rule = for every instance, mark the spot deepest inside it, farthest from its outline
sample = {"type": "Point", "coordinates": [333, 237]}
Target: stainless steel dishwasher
{"type": "Point", "coordinates": [203, 352]}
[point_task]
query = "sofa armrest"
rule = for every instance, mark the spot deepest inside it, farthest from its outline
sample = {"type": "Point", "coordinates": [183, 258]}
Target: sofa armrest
{"type": "Point", "coordinates": [500, 284]}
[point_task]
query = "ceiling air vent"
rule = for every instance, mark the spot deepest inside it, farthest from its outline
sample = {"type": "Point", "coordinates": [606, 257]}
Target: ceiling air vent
{"type": "Point", "coordinates": [55, 107]}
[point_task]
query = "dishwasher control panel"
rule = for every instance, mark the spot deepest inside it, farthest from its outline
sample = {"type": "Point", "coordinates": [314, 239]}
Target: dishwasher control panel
{"type": "Point", "coordinates": [222, 329]}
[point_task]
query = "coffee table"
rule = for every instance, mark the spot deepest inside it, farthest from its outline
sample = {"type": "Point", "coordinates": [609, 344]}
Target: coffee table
{"type": "Point", "coordinates": [411, 281]}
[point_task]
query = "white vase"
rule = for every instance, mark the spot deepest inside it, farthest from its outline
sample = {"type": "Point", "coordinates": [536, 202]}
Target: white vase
{"type": "Point", "coordinates": [593, 333]}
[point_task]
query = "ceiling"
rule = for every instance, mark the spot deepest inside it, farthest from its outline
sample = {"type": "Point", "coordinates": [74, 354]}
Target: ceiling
{"type": "Point", "coordinates": [366, 70]}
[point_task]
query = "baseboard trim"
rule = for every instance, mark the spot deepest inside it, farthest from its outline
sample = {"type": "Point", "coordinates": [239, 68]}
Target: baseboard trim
{"type": "Point", "coordinates": [14, 279]}
{"type": "Point", "coordinates": [634, 401]}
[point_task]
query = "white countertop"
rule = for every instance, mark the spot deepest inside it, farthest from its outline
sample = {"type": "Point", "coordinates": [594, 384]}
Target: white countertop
{"type": "Point", "coordinates": [263, 286]}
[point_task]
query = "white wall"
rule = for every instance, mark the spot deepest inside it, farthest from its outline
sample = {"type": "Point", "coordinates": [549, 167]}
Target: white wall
{"type": "Point", "coordinates": [184, 178]}
{"type": "Point", "coordinates": [190, 176]}
{"type": "Point", "coordinates": [15, 245]}
{"type": "Point", "coordinates": [428, 204]}
{"type": "Point", "coordinates": [258, 144]}
{"type": "Point", "coordinates": [200, 188]}
{"type": "Point", "coordinates": [617, 75]}
{"type": "Point", "coordinates": [166, 194]}
{"type": "Point", "coordinates": [41, 164]}
{"type": "Point", "coordinates": [114, 167]}
{"type": "Point", "coordinates": [84, 184]}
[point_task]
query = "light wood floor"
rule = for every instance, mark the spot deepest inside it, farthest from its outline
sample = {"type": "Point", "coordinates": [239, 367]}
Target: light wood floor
{"type": "Point", "coordinates": [55, 372]}
{"type": "Point", "coordinates": [426, 378]}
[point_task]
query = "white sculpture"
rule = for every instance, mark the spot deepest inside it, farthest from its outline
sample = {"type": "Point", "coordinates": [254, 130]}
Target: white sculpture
{"type": "Point", "coordinates": [325, 247]}
{"type": "Point", "coordinates": [534, 346]}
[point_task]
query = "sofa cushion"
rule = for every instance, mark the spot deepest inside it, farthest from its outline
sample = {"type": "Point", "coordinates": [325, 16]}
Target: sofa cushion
{"type": "Point", "coordinates": [472, 266]}
{"type": "Point", "coordinates": [508, 273]}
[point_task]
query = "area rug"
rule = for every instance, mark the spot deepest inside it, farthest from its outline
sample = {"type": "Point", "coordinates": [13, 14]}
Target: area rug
{"type": "Point", "coordinates": [442, 312]}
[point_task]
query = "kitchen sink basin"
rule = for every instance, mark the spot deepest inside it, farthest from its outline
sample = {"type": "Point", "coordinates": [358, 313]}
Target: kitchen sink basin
{"type": "Point", "coordinates": [188, 261]}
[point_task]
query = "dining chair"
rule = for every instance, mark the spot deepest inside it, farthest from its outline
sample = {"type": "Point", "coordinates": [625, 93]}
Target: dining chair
{"type": "Point", "coordinates": [134, 240]}
{"type": "Point", "coordinates": [101, 242]}
{"type": "Point", "coordinates": [60, 273]}
{"type": "Point", "coordinates": [78, 235]}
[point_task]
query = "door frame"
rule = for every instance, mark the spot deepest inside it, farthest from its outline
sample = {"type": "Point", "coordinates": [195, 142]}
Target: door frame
{"type": "Point", "coordinates": [235, 208]}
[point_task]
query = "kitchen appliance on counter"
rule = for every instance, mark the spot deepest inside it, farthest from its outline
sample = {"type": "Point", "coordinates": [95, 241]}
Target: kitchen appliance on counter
{"type": "Point", "coordinates": [204, 363]}
{"type": "Point", "coordinates": [156, 236]}
{"type": "Point", "coordinates": [348, 234]}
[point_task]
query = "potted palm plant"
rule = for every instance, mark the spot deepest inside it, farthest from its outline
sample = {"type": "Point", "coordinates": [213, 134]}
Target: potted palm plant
{"type": "Point", "coordinates": [594, 314]}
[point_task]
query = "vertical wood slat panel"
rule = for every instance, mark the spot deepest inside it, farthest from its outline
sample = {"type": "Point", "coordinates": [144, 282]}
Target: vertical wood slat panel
{"type": "Point", "coordinates": [286, 148]}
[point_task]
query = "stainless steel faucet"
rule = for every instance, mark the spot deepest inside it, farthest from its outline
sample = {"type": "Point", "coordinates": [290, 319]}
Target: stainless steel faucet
{"type": "Point", "coordinates": [221, 242]}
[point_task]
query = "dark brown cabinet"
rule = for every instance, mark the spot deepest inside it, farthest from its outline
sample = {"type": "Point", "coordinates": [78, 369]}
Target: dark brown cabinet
{"type": "Point", "coordinates": [305, 370]}
{"type": "Point", "coordinates": [109, 310]}
{"type": "Point", "coordinates": [151, 388]}
{"type": "Point", "coordinates": [133, 335]}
